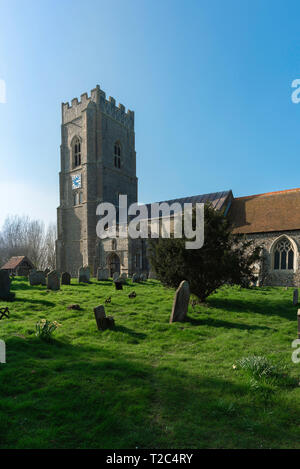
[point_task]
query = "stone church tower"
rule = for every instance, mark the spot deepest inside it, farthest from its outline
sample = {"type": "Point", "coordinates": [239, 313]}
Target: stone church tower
{"type": "Point", "coordinates": [98, 162]}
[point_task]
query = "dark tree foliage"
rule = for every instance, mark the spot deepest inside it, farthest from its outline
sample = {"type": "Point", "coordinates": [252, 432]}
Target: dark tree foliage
{"type": "Point", "coordinates": [224, 259]}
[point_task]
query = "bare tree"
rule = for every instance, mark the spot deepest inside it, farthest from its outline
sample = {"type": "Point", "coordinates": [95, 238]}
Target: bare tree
{"type": "Point", "coordinates": [49, 257]}
{"type": "Point", "coordinates": [21, 236]}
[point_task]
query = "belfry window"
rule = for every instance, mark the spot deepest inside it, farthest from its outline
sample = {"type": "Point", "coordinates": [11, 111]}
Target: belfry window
{"type": "Point", "coordinates": [117, 155]}
{"type": "Point", "coordinates": [77, 152]}
{"type": "Point", "coordinates": [283, 255]}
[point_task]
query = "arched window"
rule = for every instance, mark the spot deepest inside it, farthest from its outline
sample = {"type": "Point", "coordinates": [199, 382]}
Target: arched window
{"type": "Point", "coordinates": [76, 152]}
{"type": "Point", "coordinates": [117, 155]}
{"type": "Point", "coordinates": [283, 255]}
{"type": "Point", "coordinates": [114, 244]}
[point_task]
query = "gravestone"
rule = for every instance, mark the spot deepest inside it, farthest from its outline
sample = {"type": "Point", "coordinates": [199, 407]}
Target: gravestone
{"type": "Point", "coordinates": [116, 276]}
{"type": "Point", "coordinates": [181, 302]}
{"type": "Point", "coordinates": [84, 275]}
{"type": "Point", "coordinates": [124, 276]}
{"type": "Point", "coordinates": [102, 274]}
{"type": "Point", "coordinates": [103, 322]}
{"type": "Point", "coordinates": [5, 282]}
{"type": "Point", "coordinates": [295, 297]}
{"type": "Point", "coordinates": [135, 278]}
{"type": "Point", "coordinates": [65, 278]}
{"type": "Point", "coordinates": [152, 275]}
{"type": "Point", "coordinates": [143, 277]}
{"type": "Point", "coordinates": [53, 282]}
{"type": "Point", "coordinates": [118, 285]}
{"type": "Point", "coordinates": [37, 277]}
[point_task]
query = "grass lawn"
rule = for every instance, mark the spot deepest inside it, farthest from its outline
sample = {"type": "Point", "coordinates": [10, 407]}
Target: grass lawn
{"type": "Point", "coordinates": [148, 384]}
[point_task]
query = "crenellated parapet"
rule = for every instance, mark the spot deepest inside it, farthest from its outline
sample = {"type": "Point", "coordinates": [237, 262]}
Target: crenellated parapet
{"type": "Point", "coordinates": [73, 111]}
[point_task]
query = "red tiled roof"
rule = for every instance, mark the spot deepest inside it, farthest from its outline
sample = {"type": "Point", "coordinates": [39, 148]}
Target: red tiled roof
{"type": "Point", "coordinates": [13, 262]}
{"type": "Point", "coordinates": [271, 211]}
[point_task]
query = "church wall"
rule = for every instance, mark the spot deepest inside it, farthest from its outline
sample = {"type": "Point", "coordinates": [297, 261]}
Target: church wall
{"type": "Point", "coordinates": [266, 273]}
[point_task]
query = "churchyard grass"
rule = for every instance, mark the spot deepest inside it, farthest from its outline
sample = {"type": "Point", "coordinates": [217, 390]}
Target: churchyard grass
{"type": "Point", "coordinates": [148, 383]}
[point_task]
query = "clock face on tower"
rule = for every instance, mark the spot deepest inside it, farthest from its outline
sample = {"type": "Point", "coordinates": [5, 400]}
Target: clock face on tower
{"type": "Point", "coordinates": [76, 181]}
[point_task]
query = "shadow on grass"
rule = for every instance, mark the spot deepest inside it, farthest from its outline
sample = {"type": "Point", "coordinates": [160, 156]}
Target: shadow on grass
{"type": "Point", "coordinates": [63, 396]}
{"type": "Point", "coordinates": [126, 330]}
{"type": "Point", "coordinates": [225, 324]}
{"type": "Point", "coordinates": [265, 306]}
{"type": "Point", "coordinates": [34, 301]}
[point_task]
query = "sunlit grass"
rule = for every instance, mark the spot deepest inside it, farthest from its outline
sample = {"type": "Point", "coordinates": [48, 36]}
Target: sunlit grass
{"type": "Point", "coordinates": [148, 384]}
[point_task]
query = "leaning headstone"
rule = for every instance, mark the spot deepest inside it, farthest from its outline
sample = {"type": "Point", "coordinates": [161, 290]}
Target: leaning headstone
{"type": "Point", "coordinates": [102, 274]}
{"type": "Point", "coordinates": [135, 278]}
{"type": "Point", "coordinates": [5, 282]}
{"type": "Point", "coordinates": [53, 282]}
{"type": "Point", "coordinates": [37, 277]}
{"type": "Point", "coordinates": [295, 297]}
{"type": "Point", "coordinates": [84, 275]}
{"type": "Point", "coordinates": [65, 278]}
{"type": "Point", "coordinates": [103, 322]}
{"type": "Point", "coordinates": [116, 276]}
{"type": "Point", "coordinates": [181, 302]}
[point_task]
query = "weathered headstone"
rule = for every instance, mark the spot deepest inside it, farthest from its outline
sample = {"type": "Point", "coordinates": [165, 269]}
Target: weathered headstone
{"type": "Point", "coordinates": [143, 277]}
{"type": "Point", "coordinates": [124, 276]}
{"type": "Point", "coordinates": [152, 275]}
{"type": "Point", "coordinates": [84, 275]}
{"type": "Point", "coordinates": [53, 282]}
{"type": "Point", "coordinates": [116, 276]}
{"type": "Point", "coordinates": [295, 297]}
{"type": "Point", "coordinates": [118, 285]}
{"type": "Point", "coordinates": [181, 302]}
{"type": "Point", "coordinates": [37, 277]}
{"type": "Point", "coordinates": [103, 322]}
{"type": "Point", "coordinates": [5, 282]}
{"type": "Point", "coordinates": [65, 278]}
{"type": "Point", "coordinates": [102, 274]}
{"type": "Point", "coordinates": [135, 278]}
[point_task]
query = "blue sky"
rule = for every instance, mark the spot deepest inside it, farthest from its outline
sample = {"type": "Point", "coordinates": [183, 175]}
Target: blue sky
{"type": "Point", "coordinates": [209, 81]}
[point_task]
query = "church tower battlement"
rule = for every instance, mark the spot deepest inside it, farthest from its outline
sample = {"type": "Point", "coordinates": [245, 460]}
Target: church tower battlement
{"type": "Point", "coordinates": [98, 162]}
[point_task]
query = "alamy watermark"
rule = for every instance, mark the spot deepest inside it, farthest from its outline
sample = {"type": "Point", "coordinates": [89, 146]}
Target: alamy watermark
{"type": "Point", "coordinates": [2, 351]}
{"type": "Point", "coordinates": [2, 91]}
{"type": "Point", "coordinates": [163, 221]}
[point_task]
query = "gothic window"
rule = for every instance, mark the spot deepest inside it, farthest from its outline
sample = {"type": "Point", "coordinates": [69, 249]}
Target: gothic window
{"type": "Point", "coordinates": [117, 155]}
{"type": "Point", "coordinates": [80, 197]}
{"type": "Point", "coordinates": [76, 152]}
{"type": "Point", "coordinates": [283, 255]}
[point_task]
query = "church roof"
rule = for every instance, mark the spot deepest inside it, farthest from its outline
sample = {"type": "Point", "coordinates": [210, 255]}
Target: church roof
{"type": "Point", "coordinates": [216, 199]}
{"type": "Point", "coordinates": [272, 211]}
{"type": "Point", "coordinates": [14, 262]}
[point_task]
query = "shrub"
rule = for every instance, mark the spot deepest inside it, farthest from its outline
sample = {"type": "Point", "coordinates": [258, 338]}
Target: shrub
{"type": "Point", "coordinates": [224, 258]}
